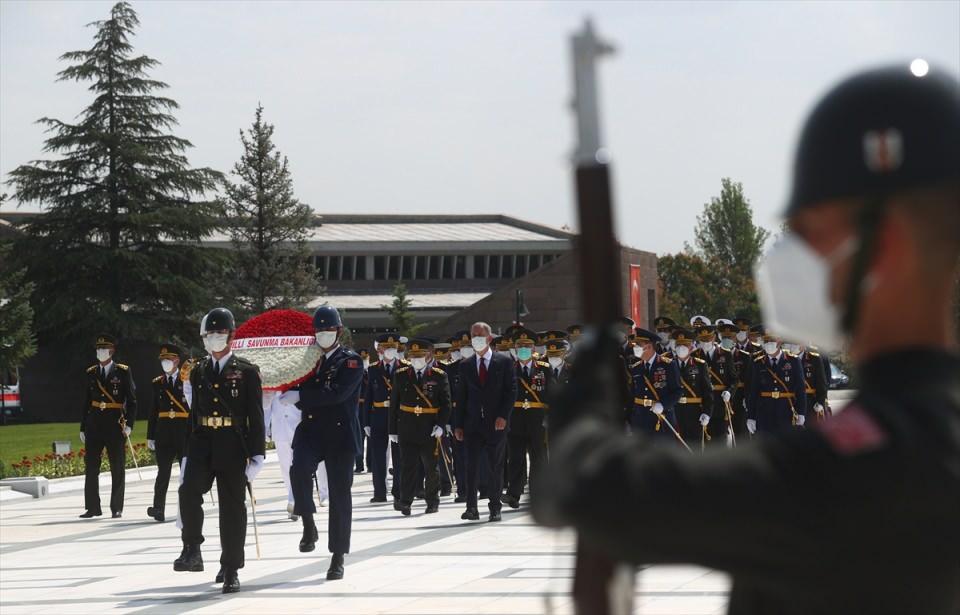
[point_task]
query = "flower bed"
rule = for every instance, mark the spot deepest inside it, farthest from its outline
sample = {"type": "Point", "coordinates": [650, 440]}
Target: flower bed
{"type": "Point", "coordinates": [71, 464]}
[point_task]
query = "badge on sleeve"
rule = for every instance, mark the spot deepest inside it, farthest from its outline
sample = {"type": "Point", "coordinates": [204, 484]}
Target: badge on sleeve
{"type": "Point", "coordinates": [852, 432]}
{"type": "Point", "coordinates": [352, 364]}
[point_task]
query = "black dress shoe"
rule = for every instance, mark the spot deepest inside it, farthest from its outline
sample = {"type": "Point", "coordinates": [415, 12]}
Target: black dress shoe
{"type": "Point", "coordinates": [156, 513]}
{"type": "Point", "coordinates": [405, 511]}
{"type": "Point", "coordinates": [335, 572]}
{"type": "Point", "coordinates": [432, 508]}
{"type": "Point", "coordinates": [495, 516]}
{"type": "Point", "coordinates": [510, 501]}
{"type": "Point", "coordinates": [460, 499]}
{"type": "Point", "coordinates": [219, 578]}
{"type": "Point", "coordinates": [419, 495]}
{"type": "Point", "coordinates": [309, 541]}
{"type": "Point", "coordinates": [190, 560]}
{"type": "Point", "coordinates": [471, 514]}
{"type": "Point", "coordinates": [90, 514]}
{"type": "Point", "coordinates": [445, 492]}
{"type": "Point", "coordinates": [376, 500]}
{"type": "Point", "coordinates": [116, 514]}
{"type": "Point", "coordinates": [231, 582]}
{"type": "Point", "coordinates": [150, 511]}
{"type": "Point", "coordinates": [396, 505]}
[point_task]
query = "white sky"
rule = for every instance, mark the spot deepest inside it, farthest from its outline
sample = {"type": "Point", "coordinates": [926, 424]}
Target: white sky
{"type": "Point", "coordinates": [447, 107]}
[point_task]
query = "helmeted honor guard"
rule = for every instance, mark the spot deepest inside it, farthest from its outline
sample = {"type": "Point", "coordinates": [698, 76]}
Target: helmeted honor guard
{"type": "Point", "coordinates": [109, 411]}
{"type": "Point", "coordinates": [168, 426]}
{"type": "Point", "coordinates": [777, 398]}
{"type": "Point", "coordinates": [655, 388]}
{"type": "Point", "coordinates": [695, 406]}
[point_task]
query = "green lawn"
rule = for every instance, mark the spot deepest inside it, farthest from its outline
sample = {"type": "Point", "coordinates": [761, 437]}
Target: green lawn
{"type": "Point", "coordinates": [31, 440]}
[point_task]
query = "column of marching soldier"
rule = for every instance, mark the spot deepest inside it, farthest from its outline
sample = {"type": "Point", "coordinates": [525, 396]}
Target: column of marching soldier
{"type": "Point", "coordinates": [470, 413]}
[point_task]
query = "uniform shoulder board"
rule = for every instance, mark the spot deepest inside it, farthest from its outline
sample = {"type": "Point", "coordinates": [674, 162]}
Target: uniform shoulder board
{"type": "Point", "coordinates": [404, 362]}
{"type": "Point", "coordinates": [665, 359]}
{"type": "Point", "coordinates": [403, 369]}
{"type": "Point", "coordinates": [757, 358]}
{"type": "Point", "coordinates": [91, 369]}
{"type": "Point", "coordinates": [698, 360]}
{"type": "Point", "coordinates": [123, 366]}
{"type": "Point", "coordinates": [157, 380]}
{"type": "Point", "coordinates": [813, 353]}
{"type": "Point", "coordinates": [543, 364]}
{"type": "Point", "coordinates": [636, 363]}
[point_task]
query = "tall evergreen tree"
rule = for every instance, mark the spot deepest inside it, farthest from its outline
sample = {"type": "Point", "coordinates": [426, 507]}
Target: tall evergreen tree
{"type": "Point", "coordinates": [268, 227]}
{"type": "Point", "coordinates": [117, 247]}
{"type": "Point", "coordinates": [400, 313]}
{"type": "Point", "coordinates": [17, 343]}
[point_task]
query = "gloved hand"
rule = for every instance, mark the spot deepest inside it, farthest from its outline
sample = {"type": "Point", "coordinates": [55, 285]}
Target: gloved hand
{"type": "Point", "coordinates": [704, 419]}
{"type": "Point", "coordinates": [83, 438]}
{"type": "Point", "coordinates": [253, 467]}
{"type": "Point", "coordinates": [725, 396]}
{"type": "Point", "coordinates": [268, 436]}
{"type": "Point", "coordinates": [657, 409]}
{"type": "Point", "coordinates": [801, 420]}
{"type": "Point", "coordinates": [449, 431]}
{"type": "Point", "coordinates": [290, 398]}
{"type": "Point", "coordinates": [152, 445]}
{"type": "Point", "coordinates": [394, 438]}
{"type": "Point", "coordinates": [127, 431]}
{"type": "Point", "coordinates": [818, 408]}
{"type": "Point", "coordinates": [183, 469]}
{"type": "Point", "coordinates": [751, 426]}
{"type": "Point", "coordinates": [367, 431]}
{"type": "Point", "coordinates": [437, 432]}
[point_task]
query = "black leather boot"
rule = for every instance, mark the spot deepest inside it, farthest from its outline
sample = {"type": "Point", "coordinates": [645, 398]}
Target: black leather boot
{"type": "Point", "coordinates": [335, 572]}
{"type": "Point", "coordinates": [231, 582]}
{"type": "Point", "coordinates": [309, 541]}
{"type": "Point", "coordinates": [190, 559]}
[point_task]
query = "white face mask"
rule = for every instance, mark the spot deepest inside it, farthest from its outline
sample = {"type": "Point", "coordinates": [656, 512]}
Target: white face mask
{"type": "Point", "coordinates": [664, 336]}
{"type": "Point", "coordinates": [792, 348]}
{"type": "Point", "coordinates": [479, 343]}
{"type": "Point", "coordinates": [638, 351]}
{"type": "Point", "coordinates": [418, 363]}
{"type": "Point", "coordinates": [707, 347]}
{"type": "Point", "coordinates": [326, 339]}
{"type": "Point", "coordinates": [555, 362]}
{"type": "Point", "coordinates": [683, 352]}
{"type": "Point", "coordinates": [726, 343]}
{"type": "Point", "coordinates": [793, 283]}
{"type": "Point", "coordinates": [771, 348]}
{"type": "Point", "coordinates": [103, 354]}
{"type": "Point", "coordinates": [741, 336]}
{"type": "Point", "coordinates": [167, 366]}
{"type": "Point", "coordinates": [389, 354]}
{"type": "Point", "coordinates": [455, 355]}
{"type": "Point", "coordinates": [466, 352]}
{"type": "Point", "coordinates": [215, 342]}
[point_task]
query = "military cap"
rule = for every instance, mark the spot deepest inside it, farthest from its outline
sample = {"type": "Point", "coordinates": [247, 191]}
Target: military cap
{"type": "Point", "coordinates": [706, 333]}
{"type": "Point", "coordinates": [627, 322]}
{"type": "Point", "coordinates": [699, 321]}
{"type": "Point", "coordinates": [364, 353]}
{"type": "Point", "coordinates": [169, 351]}
{"type": "Point", "coordinates": [722, 321]}
{"type": "Point", "coordinates": [502, 343]}
{"type": "Point", "coordinates": [509, 331]}
{"type": "Point", "coordinates": [418, 347]}
{"type": "Point", "coordinates": [524, 337]}
{"type": "Point", "coordinates": [770, 336]}
{"type": "Point", "coordinates": [464, 337]}
{"type": "Point", "coordinates": [441, 350]}
{"type": "Point", "coordinates": [757, 330]}
{"type": "Point", "coordinates": [643, 335]}
{"type": "Point", "coordinates": [682, 336]}
{"type": "Point", "coordinates": [402, 347]}
{"type": "Point", "coordinates": [663, 323]}
{"type": "Point", "coordinates": [727, 329]}
{"type": "Point", "coordinates": [388, 340]}
{"type": "Point", "coordinates": [556, 348]}
{"type": "Point", "coordinates": [105, 340]}
{"type": "Point", "coordinates": [454, 342]}
{"type": "Point", "coordinates": [574, 332]}
{"type": "Point", "coordinates": [554, 334]}
{"type": "Point", "coordinates": [742, 322]}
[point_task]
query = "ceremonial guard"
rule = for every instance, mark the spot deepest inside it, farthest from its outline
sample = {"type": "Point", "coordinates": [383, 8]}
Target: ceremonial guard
{"type": "Point", "coordinates": [226, 443]}
{"type": "Point", "coordinates": [106, 421]}
{"type": "Point", "coordinates": [528, 424]}
{"type": "Point", "coordinates": [723, 381]}
{"type": "Point", "coordinates": [374, 416]}
{"type": "Point", "coordinates": [695, 406]}
{"type": "Point", "coordinates": [777, 399]}
{"type": "Point", "coordinates": [655, 389]}
{"type": "Point", "coordinates": [742, 364]}
{"type": "Point", "coordinates": [419, 408]}
{"type": "Point", "coordinates": [168, 426]}
{"type": "Point", "coordinates": [329, 432]}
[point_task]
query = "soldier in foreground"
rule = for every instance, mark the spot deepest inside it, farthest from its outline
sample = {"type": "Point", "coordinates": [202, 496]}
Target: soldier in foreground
{"type": "Point", "coordinates": [857, 514]}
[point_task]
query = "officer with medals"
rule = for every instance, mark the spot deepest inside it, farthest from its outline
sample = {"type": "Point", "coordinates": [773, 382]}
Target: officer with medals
{"type": "Point", "coordinates": [655, 388]}
{"type": "Point", "coordinates": [720, 373]}
{"type": "Point", "coordinates": [694, 408]}
{"type": "Point", "coordinates": [107, 417]}
{"type": "Point", "coordinates": [777, 398]}
{"type": "Point", "coordinates": [742, 364]}
{"type": "Point", "coordinates": [527, 425]}
{"type": "Point", "coordinates": [374, 416]}
{"type": "Point", "coordinates": [664, 326]}
{"type": "Point", "coordinates": [226, 443]}
{"type": "Point", "coordinates": [329, 432]}
{"type": "Point", "coordinates": [440, 359]}
{"type": "Point", "coordinates": [168, 426]}
{"type": "Point", "coordinates": [814, 380]}
{"type": "Point", "coordinates": [419, 408]}
{"type": "Point", "coordinates": [460, 341]}
{"type": "Point", "coordinates": [557, 351]}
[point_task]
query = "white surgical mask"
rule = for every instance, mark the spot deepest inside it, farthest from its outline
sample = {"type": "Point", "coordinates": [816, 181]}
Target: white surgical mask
{"type": "Point", "coordinates": [326, 339]}
{"type": "Point", "coordinates": [683, 352]}
{"type": "Point", "coordinates": [793, 283]}
{"type": "Point", "coordinates": [741, 336]}
{"type": "Point", "coordinates": [389, 354]}
{"type": "Point", "coordinates": [215, 342]}
{"type": "Point", "coordinates": [638, 351]}
{"type": "Point", "coordinates": [664, 336]}
{"type": "Point", "coordinates": [726, 343]}
{"type": "Point", "coordinates": [707, 347]}
{"type": "Point", "coordinates": [792, 348]}
{"type": "Point", "coordinates": [770, 348]}
{"type": "Point", "coordinates": [418, 363]}
{"type": "Point", "coordinates": [103, 354]}
{"type": "Point", "coordinates": [466, 352]}
{"type": "Point", "coordinates": [479, 343]}
{"type": "Point", "coordinates": [455, 355]}
{"type": "Point", "coordinates": [166, 365]}
{"type": "Point", "coordinates": [555, 362]}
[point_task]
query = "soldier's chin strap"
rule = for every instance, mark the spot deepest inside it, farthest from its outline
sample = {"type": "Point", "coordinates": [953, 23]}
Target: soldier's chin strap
{"type": "Point", "coordinates": [869, 220]}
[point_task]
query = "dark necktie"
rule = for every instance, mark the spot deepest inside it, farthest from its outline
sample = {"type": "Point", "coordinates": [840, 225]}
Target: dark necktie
{"type": "Point", "coordinates": [483, 372]}
{"type": "Point", "coordinates": [526, 372]}
{"type": "Point", "coordinates": [103, 373]}
{"type": "Point", "coordinates": [556, 373]}
{"type": "Point", "coordinates": [419, 378]}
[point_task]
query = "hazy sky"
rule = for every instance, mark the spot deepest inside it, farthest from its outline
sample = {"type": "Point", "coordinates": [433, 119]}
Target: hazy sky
{"type": "Point", "coordinates": [447, 107]}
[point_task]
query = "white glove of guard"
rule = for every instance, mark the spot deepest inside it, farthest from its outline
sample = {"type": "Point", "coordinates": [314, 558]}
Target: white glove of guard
{"type": "Point", "coordinates": [704, 419]}
{"type": "Point", "coordinates": [290, 398]}
{"type": "Point", "coordinates": [267, 436]}
{"type": "Point", "coordinates": [83, 438]}
{"type": "Point", "coordinates": [437, 432]}
{"type": "Point", "coordinates": [818, 408]}
{"type": "Point", "coordinates": [449, 431]}
{"type": "Point", "coordinates": [253, 467]}
{"type": "Point", "coordinates": [183, 468]}
{"type": "Point", "coordinates": [127, 431]}
{"type": "Point", "coordinates": [657, 408]}
{"type": "Point", "coordinates": [801, 420]}
{"type": "Point", "coordinates": [394, 438]}
{"type": "Point", "coordinates": [725, 396]}
{"type": "Point", "coordinates": [367, 431]}
{"type": "Point", "coordinates": [751, 426]}
{"type": "Point", "coordinates": [152, 445]}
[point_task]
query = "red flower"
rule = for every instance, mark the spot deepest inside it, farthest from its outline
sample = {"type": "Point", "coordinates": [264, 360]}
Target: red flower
{"type": "Point", "coordinates": [27, 463]}
{"type": "Point", "coordinates": [276, 322]}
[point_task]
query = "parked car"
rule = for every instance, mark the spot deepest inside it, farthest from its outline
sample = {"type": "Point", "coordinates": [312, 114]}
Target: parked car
{"type": "Point", "coordinates": [838, 379]}
{"type": "Point", "coordinates": [10, 396]}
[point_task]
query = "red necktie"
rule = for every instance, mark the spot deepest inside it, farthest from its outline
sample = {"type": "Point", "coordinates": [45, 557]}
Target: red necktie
{"type": "Point", "coordinates": [483, 372]}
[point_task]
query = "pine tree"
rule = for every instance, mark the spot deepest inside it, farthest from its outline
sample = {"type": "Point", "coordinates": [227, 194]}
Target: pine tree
{"type": "Point", "coordinates": [117, 247]}
{"type": "Point", "coordinates": [268, 227]}
{"type": "Point", "coordinates": [400, 313]}
{"type": "Point", "coordinates": [16, 316]}
{"type": "Point", "coordinates": [726, 234]}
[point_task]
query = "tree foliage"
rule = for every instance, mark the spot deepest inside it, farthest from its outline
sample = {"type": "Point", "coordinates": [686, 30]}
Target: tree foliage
{"type": "Point", "coordinates": [400, 313]}
{"type": "Point", "coordinates": [17, 342]}
{"type": "Point", "coordinates": [118, 246]}
{"type": "Point", "coordinates": [268, 227]}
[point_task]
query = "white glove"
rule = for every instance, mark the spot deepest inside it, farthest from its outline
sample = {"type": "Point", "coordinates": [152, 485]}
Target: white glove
{"type": "Point", "coordinates": [725, 396]}
{"type": "Point", "coordinates": [83, 438]}
{"type": "Point", "coordinates": [394, 438]}
{"type": "Point", "coordinates": [127, 431]}
{"type": "Point", "coordinates": [253, 467]}
{"type": "Point", "coordinates": [657, 409]}
{"type": "Point", "coordinates": [751, 426]}
{"type": "Point", "coordinates": [704, 419]}
{"type": "Point", "coordinates": [183, 468]}
{"type": "Point", "coordinates": [152, 445]}
{"type": "Point", "coordinates": [449, 431]}
{"type": "Point", "coordinates": [818, 408]}
{"type": "Point", "coordinates": [437, 432]}
{"type": "Point", "coordinates": [801, 420]}
{"type": "Point", "coordinates": [367, 430]}
{"type": "Point", "coordinates": [268, 437]}
{"type": "Point", "coordinates": [290, 398]}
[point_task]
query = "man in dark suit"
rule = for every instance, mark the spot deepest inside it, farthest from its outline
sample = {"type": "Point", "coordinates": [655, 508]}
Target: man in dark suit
{"type": "Point", "coordinates": [329, 431]}
{"type": "Point", "coordinates": [488, 389]}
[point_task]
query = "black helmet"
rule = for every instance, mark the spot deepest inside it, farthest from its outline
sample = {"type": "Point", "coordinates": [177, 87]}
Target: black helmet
{"type": "Point", "coordinates": [877, 133]}
{"type": "Point", "coordinates": [326, 317]}
{"type": "Point", "coordinates": [217, 319]}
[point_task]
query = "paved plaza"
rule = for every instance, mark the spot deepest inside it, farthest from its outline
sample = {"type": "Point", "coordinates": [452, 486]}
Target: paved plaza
{"type": "Point", "coordinates": [53, 562]}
